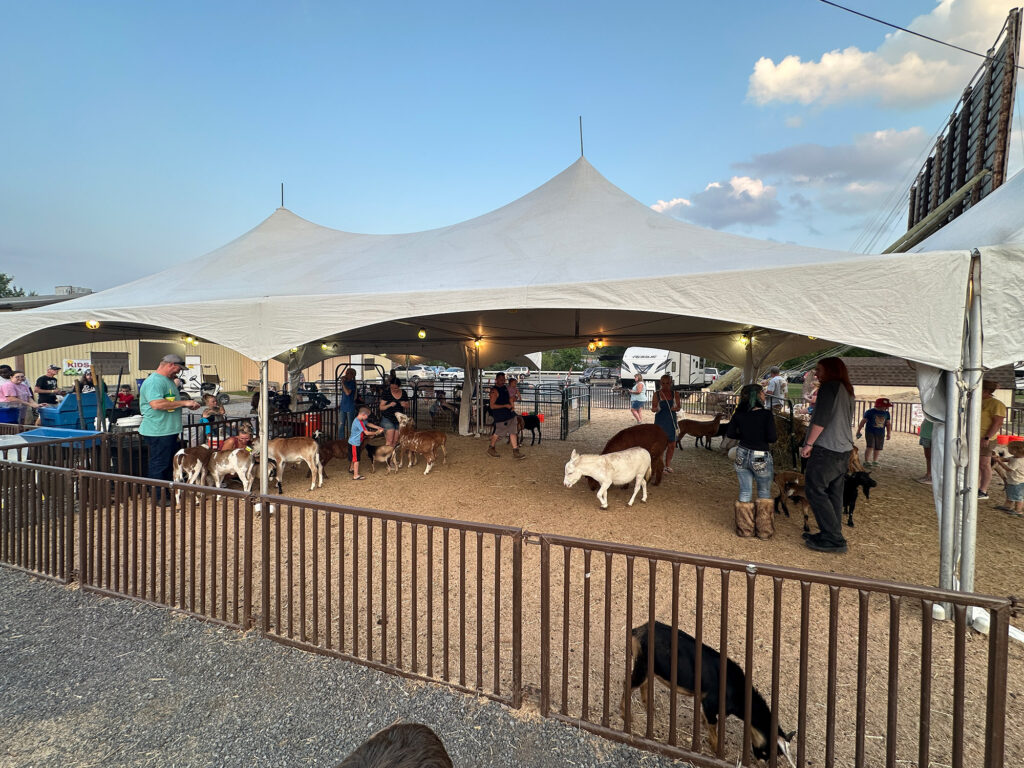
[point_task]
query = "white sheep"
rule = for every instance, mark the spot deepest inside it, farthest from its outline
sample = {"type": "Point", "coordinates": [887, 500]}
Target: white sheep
{"type": "Point", "coordinates": [619, 468]}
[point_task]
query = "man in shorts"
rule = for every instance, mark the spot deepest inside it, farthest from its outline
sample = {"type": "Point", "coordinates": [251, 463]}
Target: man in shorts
{"type": "Point", "coordinates": [504, 418]}
{"type": "Point", "coordinates": [993, 414]}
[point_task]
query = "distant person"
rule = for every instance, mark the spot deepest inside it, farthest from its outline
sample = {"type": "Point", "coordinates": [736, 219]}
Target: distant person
{"type": "Point", "coordinates": [124, 397]}
{"type": "Point", "coordinates": [85, 382]}
{"type": "Point", "coordinates": [46, 387]}
{"type": "Point", "coordinates": [8, 413]}
{"type": "Point", "coordinates": [754, 426]}
{"type": "Point", "coordinates": [392, 402]}
{"type": "Point", "coordinates": [243, 439]}
{"type": "Point", "coordinates": [636, 398]}
{"type": "Point", "coordinates": [827, 448]}
{"type": "Point", "coordinates": [513, 391]}
{"type": "Point", "coordinates": [666, 404]}
{"type": "Point", "coordinates": [346, 403]}
{"type": "Point", "coordinates": [810, 390]}
{"type": "Point", "coordinates": [876, 426]}
{"type": "Point", "coordinates": [505, 422]}
{"type": "Point", "coordinates": [993, 414]}
{"type": "Point", "coordinates": [924, 439]}
{"type": "Point", "coordinates": [161, 415]}
{"type": "Point", "coordinates": [1014, 477]}
{"type": "Point", "coordinates": [212, 413]}
{"type": "Point", "coordinates": [441, 407]}
{"type": "Point", "coordinates": [20, 400]}
{"type": "Point", "coordinates": [776, 389]}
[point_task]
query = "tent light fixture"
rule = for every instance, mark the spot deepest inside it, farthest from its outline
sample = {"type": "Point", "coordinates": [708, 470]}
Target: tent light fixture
{"type": "Point", "coordinates": [189, 339]}
{"type": "Point", "coordinates": [479, 342]}
{"type": "Point", "coordinates": [92, 325]}
{"type": "Point", "coordinates": [293, 350]}
{"type": "Point", "coordinates": [591, 346]}
{"type": "Point", "coordinates": [422, 333]}
{"type": "Point", "coordinates": [812, 338]}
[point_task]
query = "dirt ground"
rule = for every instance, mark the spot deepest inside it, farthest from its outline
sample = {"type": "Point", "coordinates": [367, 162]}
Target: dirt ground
{"type": "Point", "coordinates": [895, 538]}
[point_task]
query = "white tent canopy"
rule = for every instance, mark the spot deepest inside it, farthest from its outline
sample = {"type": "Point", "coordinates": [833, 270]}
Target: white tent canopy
{"type": "Point", "coordinates": [575, 259]}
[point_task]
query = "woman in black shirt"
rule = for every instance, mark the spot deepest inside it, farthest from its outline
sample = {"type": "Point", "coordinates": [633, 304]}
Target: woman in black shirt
{"type": "Point", "coordinates": [754, 426]}
{"type": "Point", "coordinates": [392, 402]}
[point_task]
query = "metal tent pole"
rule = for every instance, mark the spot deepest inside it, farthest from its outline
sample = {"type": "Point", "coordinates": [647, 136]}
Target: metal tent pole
{"type": "Point", "coordinates": [950, 437]}
{"type": "Point", "coordinates": [264, 418]}
{"type": "Point", "coordinates": [974, 357]}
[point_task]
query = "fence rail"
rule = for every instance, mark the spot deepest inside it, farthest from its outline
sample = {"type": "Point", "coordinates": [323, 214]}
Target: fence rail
{"type": "Point", "coordinates": [484, 610]}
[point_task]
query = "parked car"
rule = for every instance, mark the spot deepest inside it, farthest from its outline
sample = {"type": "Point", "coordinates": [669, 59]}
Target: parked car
{"type": "Point", "coordinates": [600, 376]}
{"type": "Point", "coordinates": [710, 375]}
{"type": "Point", "coordinates": [413, 374]}
{"type": "Point", "coordinates": [452, 374]}
{"type": "Point", "coordinates": [519, 371]}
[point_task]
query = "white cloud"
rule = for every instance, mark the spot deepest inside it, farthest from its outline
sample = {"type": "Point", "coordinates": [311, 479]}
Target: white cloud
{"type": "Point", "coordinates": [903, 71]}
{"type": "Point", "coordinates": [667, 207]}
{"type": "Point", "coordinates": [741, 200]}
{"type": "Point", "coordinates": [794, 121]}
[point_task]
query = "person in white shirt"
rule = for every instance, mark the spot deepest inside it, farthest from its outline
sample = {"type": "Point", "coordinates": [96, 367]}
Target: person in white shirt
{"type": "Point", "coordinates": [776, 389]}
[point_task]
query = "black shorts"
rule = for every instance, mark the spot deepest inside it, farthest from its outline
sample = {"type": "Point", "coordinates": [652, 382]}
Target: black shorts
{"type": "Point", "coordinates": [875, 440]}
{"type": "Point", "coordinates": [356, 451]}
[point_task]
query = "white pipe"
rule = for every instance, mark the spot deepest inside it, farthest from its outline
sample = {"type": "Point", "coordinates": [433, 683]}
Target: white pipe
{"type": "Point", "coordinates": [974, 358]}
{"type": "Point", "coordinates": [263, 416]}
{"type": "Point", "coordinates": [949, 481]}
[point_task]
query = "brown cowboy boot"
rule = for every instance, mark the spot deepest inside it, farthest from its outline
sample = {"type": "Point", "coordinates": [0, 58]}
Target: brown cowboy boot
{"type": "Point", "coordinates": [744, 518]}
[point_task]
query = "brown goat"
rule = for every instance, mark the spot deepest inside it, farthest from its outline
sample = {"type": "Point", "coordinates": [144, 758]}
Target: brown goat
{"type": "Point", "coordinates": [699, 429]}
{"type": "Point", "coordinates": [334, 449]}
{"type": "Point", "coordinates": [425, 442]}
{"type": "Point", "coordinates": [404, 745]}
{"type": "Point", "coordinates": [649, 436]}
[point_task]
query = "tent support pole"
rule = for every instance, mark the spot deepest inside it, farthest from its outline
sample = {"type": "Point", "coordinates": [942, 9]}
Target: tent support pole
{"type": "Point", "coordinates": [974, 376]}
{"type": "Point", "coordinates": [264, 419]}
{"type": "Point", "coordinates": [748, 364]}
{"type": "Point", "coordinates": [949, 483]}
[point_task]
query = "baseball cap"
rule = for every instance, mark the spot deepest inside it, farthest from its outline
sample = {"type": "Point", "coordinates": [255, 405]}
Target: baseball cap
{"type": "Point", "coordinates": [176, 359]}
{"type": "Point", "coordinates": [53, 367]}
{"type": "Point", "coordinates": [883, 402]}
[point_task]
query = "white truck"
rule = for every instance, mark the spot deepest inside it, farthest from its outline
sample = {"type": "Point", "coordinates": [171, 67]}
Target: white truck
{"type": "Point", "coordinates": [687, 371]}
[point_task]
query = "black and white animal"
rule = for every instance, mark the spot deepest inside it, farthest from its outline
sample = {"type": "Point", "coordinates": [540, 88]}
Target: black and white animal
{"type": "Point", "coordinates": [735, 686]}
{"type": "Point", "coordinates": [403, 745]}
{"type": "Point", "coordinates": [855, 480]}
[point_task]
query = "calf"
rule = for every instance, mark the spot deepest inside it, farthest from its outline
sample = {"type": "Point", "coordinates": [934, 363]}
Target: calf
{"type": "Point", "coordinates": [403, 745]}
{"type": "Point", "coordinates": [855, 480]}
{"type": "Point", "coordinates": [295, 449]}
{"type": "Point", "coordinates": [735, 686]}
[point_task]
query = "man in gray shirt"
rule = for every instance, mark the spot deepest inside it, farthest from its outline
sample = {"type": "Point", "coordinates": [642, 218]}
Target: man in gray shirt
{"type": "Point", "coordinates": [827, 449]}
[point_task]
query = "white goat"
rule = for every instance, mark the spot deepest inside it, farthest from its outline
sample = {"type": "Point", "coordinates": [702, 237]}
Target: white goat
{"type": "Point", "coordinates": [632, 465]}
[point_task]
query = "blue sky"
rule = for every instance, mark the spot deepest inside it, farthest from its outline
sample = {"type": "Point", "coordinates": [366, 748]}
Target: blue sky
{"type": "Point", "coordinates": [140, 135]}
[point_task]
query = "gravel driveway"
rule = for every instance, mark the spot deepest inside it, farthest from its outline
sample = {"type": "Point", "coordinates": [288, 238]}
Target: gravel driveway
{"type": "Point", "coordinates": [93, 681]}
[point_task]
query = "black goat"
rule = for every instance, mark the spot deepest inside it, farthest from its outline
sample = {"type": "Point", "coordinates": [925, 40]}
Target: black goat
{"type": "Point", "coordinates": [530, 421]}
{"type": "Point", "coordinates": [854, 481]}
{"type": "Point", "coordinates": [707, 440]}
{"type": "Point", "coordinates": [735, 685]}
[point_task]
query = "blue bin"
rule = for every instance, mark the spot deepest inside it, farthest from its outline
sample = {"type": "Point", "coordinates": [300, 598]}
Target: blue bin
{"type": "Point", "coordinates": [71, 437]}
{"type": "Point", "coordinates": [66, 414]}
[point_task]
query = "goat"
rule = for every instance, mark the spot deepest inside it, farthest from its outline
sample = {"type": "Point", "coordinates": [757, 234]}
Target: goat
{"type": "Point", "coordinates": [792, 489]}
{"type": "Point", "coordinates": [633, 465]}
{"type": "Point", "coordinates": [735, 686]}
{"type": "Point", "coordinates": [425, 442]}
{"type": "Point", "coordinates": [333, 449]}
{"type": "Point", "coordinates": [649, 436]}
{"type": "Point", "coordinates": [385, 454]}
{"type": "Point", "coordinates": [190, 466]}
{"type": "Point", "coordinates": [294, 449]}
{"type": "Point", "coordinates": [698, 429]}
{"type": "Point", "coordinates": [722, 429]}
{"type": "Point", "coordinates": [238, 462]}
{"type": "Point", "coordinates": [403, 745]}
{"type": "Point", "coordinates": [530, 421]}
{"type": "Point", "coordinates": [854, 481]}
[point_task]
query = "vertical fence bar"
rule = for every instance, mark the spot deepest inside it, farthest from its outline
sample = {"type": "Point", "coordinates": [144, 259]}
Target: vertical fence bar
{"type": "Point", "coordinates": [545, 628]}
{"type": "Point", "coordinates": [862, 677]}
{"type": "Point", "coordinates": [585, 693]}
{"type": "Point", "coordinates": [566, 577]}
{"type": "Point", "coordinates": [607, 655]}
{"type": "Point", "coordinates": [698, 660]}
{"type": "Point", "coordinates": [723, 659]}
{"type": "Point", "coordinates": [627, 717]}
{"type": "Point", "coordinates": [833, 666]}
{"type": "Point", "coordinates": [517, 620]}
{"type": "Point", "coordinates": [894, 680]}
{"type": "Point", "coordinates": [995, 702]}
{"type": "Point", "coordinates": [959, 689]}
{"type": "Point", "coordinates": [925, 718]}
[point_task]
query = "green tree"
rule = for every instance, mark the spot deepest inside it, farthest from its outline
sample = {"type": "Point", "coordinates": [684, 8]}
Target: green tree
{"type": "Point", "coordinates": [562, 359]}
{"type": "Point", "coordinates": [7, 286]}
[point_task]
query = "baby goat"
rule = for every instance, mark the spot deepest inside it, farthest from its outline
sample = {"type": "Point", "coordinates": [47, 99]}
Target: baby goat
{"type": "Point", "coordinates": [735, 686]}
{"type": "Point", "coordinates": [699, 429]}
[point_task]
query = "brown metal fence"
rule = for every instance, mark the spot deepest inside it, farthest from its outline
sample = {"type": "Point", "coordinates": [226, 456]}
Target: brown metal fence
{"type": "Point", "coordinates": [459, 603]}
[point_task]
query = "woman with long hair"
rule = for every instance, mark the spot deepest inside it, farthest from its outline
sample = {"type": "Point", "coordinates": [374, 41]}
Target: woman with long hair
{"type": "Point", "coordinates": [666, 405]}
{"type": "Point", "coordinates": [827, 449]}
{"type": "Point", "coordinates": [392, 402]}
{"type": "Point", "coordinates": [754, 426]}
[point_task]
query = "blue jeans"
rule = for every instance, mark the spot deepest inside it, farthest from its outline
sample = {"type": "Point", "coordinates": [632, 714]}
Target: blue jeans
{"type": "Point", "coordinates": [345, 419]}
{"type": "Point", "coordinates": [751, 469]}
{"type": "Point", "coordinates": [161, 454]}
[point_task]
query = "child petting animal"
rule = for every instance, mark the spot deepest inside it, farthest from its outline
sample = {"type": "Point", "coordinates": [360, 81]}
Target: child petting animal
{"type": "Point", "coordinates": [761, 737]}
{"type": "Point", "coordinates": [360, 428]}
{"type": "Point", "coordinates": [1012, 472]}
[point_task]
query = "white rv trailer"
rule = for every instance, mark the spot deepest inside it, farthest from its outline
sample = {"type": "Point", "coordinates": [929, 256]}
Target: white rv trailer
{"type": "Point", "coordinates": [686, 370]}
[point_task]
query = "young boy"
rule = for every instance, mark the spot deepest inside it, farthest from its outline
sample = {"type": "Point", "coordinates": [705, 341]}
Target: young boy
{"type": "Point", "coordinates": [360, 428]}
{"type": "Point", "coordinates": [877, 426]}
{"type": "Point", "coordinates": [1013, 474]}
{"type": "Point", "coordinates": [124, 397]}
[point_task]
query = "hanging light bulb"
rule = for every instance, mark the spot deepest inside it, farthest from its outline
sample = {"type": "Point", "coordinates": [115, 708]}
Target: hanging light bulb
{"type": "Point", "coordinates": [92, 325]}
{"type": "Point", "coordinates": [422, 333]}
{"type": "Point", "coordinates": [591, 346]}
{"type": "Point", "coordinates": [195, 342]}
{"type": "Point", "coordinates": [478, 343]}
{"type": "Point", "coordinates": [600, 343]}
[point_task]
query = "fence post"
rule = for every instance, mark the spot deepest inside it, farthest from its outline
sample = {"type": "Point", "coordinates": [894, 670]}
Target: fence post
{"type": "Point", "coordinates": [517, 620]}
{"type": "Point", "coordinates": [68, 515]}
{"type": "Point", "coordinates": [545, 628]}
{"type": "Point", "coordinates": [247, 563]}
{"type": "Point", "coordinates": [83, 527]}
{"type": "Point", "coordinates": [563, 429]}
{"type": "Point", "coordinates": [995, 706]}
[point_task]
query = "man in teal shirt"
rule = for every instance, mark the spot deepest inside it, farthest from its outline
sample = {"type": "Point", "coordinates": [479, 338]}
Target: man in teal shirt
{"type": "Point", "coordinates": [161, 415]}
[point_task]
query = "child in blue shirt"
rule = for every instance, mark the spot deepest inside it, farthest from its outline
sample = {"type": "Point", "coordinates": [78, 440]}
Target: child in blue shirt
{"type": "Point", "coordinates": [877, 428]}
{"type": "Point", "coordinates": [360, 428]}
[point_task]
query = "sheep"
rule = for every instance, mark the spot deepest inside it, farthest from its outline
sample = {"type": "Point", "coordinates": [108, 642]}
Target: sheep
{"type": "Point", "coordinates": [403, 745]}
{"type": "Point", "coordinates": [294, 449]}
{"type": "Point", "coordinates": [649, 436]}
{"type": "Point", "coordinates": [699, 429]}
{"type": "Point", "coordinates": [633, 465]}
{"type": "Point", "coordinates": [426, 442]}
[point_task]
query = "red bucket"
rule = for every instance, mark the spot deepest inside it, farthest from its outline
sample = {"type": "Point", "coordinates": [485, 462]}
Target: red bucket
{"type": "Point", "coordinates": [540, 417]}
{"type": "Point", "coordinates": [1003, 439]}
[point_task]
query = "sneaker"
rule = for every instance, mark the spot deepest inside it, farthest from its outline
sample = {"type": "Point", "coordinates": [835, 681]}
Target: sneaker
{"type": "Point", "coordinates": [826, 546]}
{"type": "Point", "coordinates": [982, 495]}
{"type": "Point", "coordinates": [493, 453]}
{"type": "Point", "coordinates": [924, 480]}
